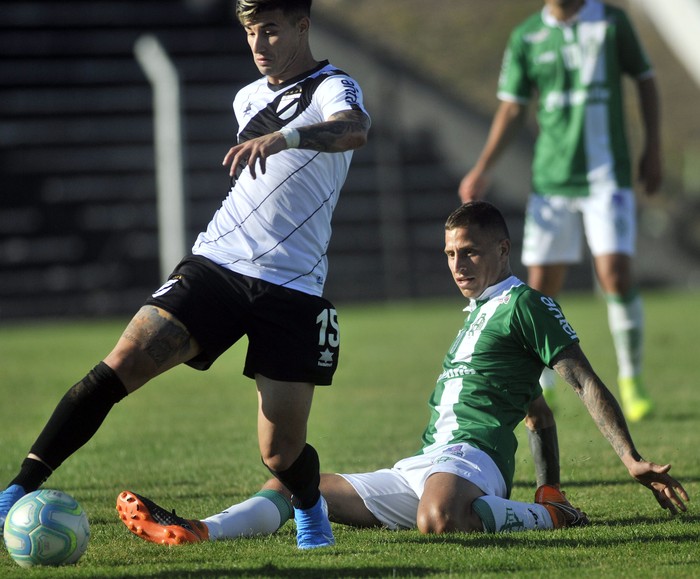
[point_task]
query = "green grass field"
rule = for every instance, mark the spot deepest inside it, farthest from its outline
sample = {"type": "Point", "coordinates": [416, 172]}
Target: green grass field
{"type": "Point", "coordinates": [188, 441]}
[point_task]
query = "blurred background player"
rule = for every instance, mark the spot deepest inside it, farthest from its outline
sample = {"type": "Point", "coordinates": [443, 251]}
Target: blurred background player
{"type": "Point", "coordinates": [573, 55]}
{"type": "Point", "coordinates": [461, 479]}
{"type": "Point", "coordinates": [258, 269]}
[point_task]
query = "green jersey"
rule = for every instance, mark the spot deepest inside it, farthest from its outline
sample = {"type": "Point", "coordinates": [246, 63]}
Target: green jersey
{"type": "Point", "coordinates": [491, 373]}
{"type": "Point", "coordinates": [575, 68]}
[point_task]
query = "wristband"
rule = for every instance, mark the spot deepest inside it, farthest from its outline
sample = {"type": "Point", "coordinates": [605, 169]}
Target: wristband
{"type": "Point", "coordinates": [291, 136]}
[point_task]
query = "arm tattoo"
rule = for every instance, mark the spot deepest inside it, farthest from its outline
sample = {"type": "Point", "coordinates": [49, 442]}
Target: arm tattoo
{"type": "Point", "coordinates": [573, 366]}
{"type": "Point", "coordinates": [343, 131]}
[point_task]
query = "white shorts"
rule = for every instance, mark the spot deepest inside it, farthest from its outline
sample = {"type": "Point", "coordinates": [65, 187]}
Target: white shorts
{"type": "Point", "coordinates": [554, 226]}
{"type": "Point", "coordinates": [392, 494]}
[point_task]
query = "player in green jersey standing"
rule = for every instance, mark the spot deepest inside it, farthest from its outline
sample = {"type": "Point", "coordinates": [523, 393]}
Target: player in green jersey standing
{"type": "Point", "coordinates": [573, 55]}
{"type": "Point", "coordinates": [461, 478]}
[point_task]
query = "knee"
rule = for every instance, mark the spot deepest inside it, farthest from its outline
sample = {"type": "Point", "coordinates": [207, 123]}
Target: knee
{"type": "Point", "coordinates": [276, 462]}
{"type": "Point", "coordinates": [436, 521]}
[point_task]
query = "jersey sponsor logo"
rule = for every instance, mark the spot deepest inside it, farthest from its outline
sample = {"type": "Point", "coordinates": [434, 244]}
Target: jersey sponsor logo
{"type": "Point", "coordinates": [552, 306]}
{"type": "Point", "coordinates": [546, 57]}
{"type": "Point", "coordinates": [561, 99]}
{"type": "Point", "coordinates": [537, 37]}
{"type": "Point", "coordinates": [166, 287]}
{"type": "Point", "coordinates": [351, 92]}
{"type": "Point", "coordinates": [456, 373]}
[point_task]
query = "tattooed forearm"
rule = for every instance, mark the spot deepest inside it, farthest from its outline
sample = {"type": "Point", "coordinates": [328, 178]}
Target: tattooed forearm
{"type": "Point", "coordinates": [573, 366]}
{"type": "Point", "coordinates": [344, 131]}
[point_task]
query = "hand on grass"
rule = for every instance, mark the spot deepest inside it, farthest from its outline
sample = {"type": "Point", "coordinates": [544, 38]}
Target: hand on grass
{"type": "Point", "coordinates": [668, 492]}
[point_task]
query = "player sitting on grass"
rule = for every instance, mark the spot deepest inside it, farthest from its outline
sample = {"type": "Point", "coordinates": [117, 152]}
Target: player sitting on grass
{"type": "Point", "coordinates": [461, 479]}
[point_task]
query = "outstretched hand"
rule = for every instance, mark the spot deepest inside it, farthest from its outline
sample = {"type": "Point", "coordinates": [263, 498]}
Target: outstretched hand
{"type": "Point", "coordinates": [668, 492]}
{"type": "Point", "coordinates": [254, 151]}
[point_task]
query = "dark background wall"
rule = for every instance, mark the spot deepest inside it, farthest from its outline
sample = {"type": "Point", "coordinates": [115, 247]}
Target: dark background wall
{"type": "Point", "coordinates": [78, 227]}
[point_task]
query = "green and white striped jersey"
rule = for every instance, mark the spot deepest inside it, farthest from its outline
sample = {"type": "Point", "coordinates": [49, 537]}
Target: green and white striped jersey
{"type": "Point", "coordinates": [491, 373]}
{"type": "Point", "coordinates": [575, 69]}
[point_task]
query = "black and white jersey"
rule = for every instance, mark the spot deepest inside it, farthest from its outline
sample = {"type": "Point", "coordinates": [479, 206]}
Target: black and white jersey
{"type": "Point", "coordinates": [277, 227]}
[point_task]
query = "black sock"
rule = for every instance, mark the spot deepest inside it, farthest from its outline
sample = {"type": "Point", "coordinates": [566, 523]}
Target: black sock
{"type": "Point", "coordinates": [302, 478]}
{"type": "Point", "coordinates": [75, 420]}
{"type": "Point", "coordinates": [32, 474]}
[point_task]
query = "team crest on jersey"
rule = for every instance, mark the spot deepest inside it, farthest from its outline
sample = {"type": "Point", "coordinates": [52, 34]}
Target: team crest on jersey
{"type": "Point", "coordinates": [288, 104]}
{"type": "Point", "coordinates": [477, 325]}
{"type": "Point", "coordinates": [167, 286]}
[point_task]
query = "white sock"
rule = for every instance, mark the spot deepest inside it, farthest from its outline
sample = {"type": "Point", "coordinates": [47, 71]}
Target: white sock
{"type": "Point", "coordinates": [261, 514]}
{"type": "Point", "coordinates": [626, 321]}
{"type": "Point", "coordinates": [548, 379]}
{"type": "Point", "coordinates": [503, 516]}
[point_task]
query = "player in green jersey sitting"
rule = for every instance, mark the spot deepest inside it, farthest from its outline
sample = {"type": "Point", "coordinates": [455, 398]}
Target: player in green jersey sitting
{"type": "Point", "coordinates": [571, 57]}
{"type": "Point", "coordinates": [461, 478]}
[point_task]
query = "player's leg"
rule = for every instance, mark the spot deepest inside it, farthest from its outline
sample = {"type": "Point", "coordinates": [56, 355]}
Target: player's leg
{"type": "Point", "coordinates": [553, 239]}
{"type": "Point", "coordinates": [345, 506]}
{"type": "Point", "coordinates": [451, 503]}
{"type": "Point", "coordinates": [447, 505]}
{"type": "Point", "coordinates": [626, 321]}
{"type": "Point", "coordinates": [261, 514]}
{"type": "Point", "coordinates": [610, 223]}
{"type": "Point", "coordinates": [293, 346]}
{"type": "Point", "coordinates": [283, 411]}
{"type": "Point", "coordinates": [153, 342]}
{"type": "Point", "coordinates": [266, 511]}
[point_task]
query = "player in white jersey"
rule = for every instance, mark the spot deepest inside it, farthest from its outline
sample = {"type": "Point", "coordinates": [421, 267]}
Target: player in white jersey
{"type": "Point", "coordinates": [573, 55]}
{"type": "Point", "coordinates": [258, 269]}
{"type": "Point", "coordinates": [461, 478]}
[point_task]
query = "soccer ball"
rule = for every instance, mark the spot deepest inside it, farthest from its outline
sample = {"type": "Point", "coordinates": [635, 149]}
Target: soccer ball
{"type": "Point", "coordinates": [46, 527]}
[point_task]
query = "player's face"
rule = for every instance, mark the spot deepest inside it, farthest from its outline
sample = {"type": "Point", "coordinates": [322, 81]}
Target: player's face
{"type": "Point", "coordinates": [567, 5]}
{"type": "Point", "coordinates": [476, 259]}
{"type": "Point", "coordinates": [279, 46]}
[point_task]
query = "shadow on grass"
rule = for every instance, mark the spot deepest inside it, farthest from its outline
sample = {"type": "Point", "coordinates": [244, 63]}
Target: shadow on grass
{"type": "Point", "coordinates": [270, 570]}
{"type": "Point", "coordinates": [613, 483]}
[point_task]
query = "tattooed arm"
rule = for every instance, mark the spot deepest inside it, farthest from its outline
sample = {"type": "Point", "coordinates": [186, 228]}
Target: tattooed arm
{"type": "Point", "coordinates": [573, 366]}
{"type": "Point", "coordinates": [342, 131]}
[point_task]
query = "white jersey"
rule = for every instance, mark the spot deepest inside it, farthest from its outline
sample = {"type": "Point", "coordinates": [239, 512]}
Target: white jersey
{"type": "Point", "coordinates": [277, 227]}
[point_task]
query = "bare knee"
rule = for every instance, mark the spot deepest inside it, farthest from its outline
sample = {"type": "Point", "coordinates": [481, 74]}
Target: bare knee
{"type": "Point", "coordinates": [278, 462]}
{"type": "Point", "coordinates": [434, 520]}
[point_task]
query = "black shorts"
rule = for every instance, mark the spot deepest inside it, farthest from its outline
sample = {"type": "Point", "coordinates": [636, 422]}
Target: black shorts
{"type": "Point", "coordinates": [292, 336]}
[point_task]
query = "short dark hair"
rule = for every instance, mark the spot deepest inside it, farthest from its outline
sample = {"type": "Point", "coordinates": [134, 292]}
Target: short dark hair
{"type": "Point", "coordinates": [480, 213]}
{"type": "Point", "coordinates": [249, 9]}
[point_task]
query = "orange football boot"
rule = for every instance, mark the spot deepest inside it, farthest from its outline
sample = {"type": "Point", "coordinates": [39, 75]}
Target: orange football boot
{"type": "Point", "coordinates": [152, 523]}
{"type": "Point", "coordinates": [563, 513]}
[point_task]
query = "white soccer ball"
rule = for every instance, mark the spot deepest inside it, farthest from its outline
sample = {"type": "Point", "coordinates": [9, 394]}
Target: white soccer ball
{"type": "Point", "coordinates": [46, 527]}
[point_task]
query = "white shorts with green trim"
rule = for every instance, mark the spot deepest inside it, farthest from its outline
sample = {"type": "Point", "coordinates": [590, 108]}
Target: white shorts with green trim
{"type": "Point", "coordinates": [392, 494]}
{"type": "Point", "coordinates": [554, 226]}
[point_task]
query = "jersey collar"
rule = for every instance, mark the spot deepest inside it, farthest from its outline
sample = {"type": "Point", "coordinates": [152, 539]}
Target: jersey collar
{"type": "Point", "coordinates": [492, 292]}
{"type": "Point", "coordinates": [302, 76]}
